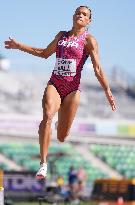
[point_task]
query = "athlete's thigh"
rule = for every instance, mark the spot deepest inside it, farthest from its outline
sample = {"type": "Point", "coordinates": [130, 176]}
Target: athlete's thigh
{"type": "Point", "coordinates": [67, 112]}
{"type": "Point", "coordinates": [51, 100]}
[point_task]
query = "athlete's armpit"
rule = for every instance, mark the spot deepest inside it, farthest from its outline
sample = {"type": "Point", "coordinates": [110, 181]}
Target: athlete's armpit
{"type": "Point", "coordinates": [51, 48]}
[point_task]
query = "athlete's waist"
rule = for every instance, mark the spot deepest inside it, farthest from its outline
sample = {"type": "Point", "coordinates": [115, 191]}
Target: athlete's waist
{"type": "Point", "coordinates": [65, 80]}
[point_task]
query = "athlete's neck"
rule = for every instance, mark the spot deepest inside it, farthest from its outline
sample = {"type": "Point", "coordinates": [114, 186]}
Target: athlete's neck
{"type": "Point", "coordinates": [76, 31]}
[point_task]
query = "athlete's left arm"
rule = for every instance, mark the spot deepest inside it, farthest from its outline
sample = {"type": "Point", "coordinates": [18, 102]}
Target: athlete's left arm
{"type": "Point", "coordinates": [92, 49]}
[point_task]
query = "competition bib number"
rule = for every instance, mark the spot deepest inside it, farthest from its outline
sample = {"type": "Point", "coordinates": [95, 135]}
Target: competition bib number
{"type": "Point", "coordinates": [65, 67]}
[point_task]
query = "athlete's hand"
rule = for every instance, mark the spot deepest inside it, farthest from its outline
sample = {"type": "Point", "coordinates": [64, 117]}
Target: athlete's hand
{"type": "Point", "coordinates": [110, 99]}
{"type": "Point", "coordinates": [11, 44]}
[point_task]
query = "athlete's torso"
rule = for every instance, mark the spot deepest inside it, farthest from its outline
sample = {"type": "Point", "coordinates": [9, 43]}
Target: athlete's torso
{"type": "Point", "coordinates": [70, 57]}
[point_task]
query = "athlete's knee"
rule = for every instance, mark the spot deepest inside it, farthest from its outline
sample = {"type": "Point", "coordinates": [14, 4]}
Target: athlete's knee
{"type": "Point", "coordinates": [47, 117]}
{"type": "Point", "coordinates": [62, 137]}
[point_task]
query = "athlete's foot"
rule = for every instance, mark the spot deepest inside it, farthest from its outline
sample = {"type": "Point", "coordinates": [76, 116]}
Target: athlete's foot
{"type": "Point", "coordinates": [42, 172]}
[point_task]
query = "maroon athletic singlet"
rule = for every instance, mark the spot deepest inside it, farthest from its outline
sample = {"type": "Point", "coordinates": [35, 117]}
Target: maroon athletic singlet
{"type": "Point", "coordinates": [70, 58]}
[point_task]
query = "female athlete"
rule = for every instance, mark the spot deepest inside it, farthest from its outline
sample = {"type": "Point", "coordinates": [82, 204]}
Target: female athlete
{"type": "Point", "coordinates": [62, 93]}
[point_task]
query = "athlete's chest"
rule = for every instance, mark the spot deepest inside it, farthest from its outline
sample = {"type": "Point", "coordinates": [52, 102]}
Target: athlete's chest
{"type": "Point", "coordinates": [71, 48]}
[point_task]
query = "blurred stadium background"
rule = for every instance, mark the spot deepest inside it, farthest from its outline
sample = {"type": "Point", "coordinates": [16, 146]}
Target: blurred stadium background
{"type": "Point", "coordinates": [101, 141]}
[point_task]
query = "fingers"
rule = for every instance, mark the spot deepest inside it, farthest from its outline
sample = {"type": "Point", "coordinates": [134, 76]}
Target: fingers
{"type": "Point", "coordinates": [111, 100]}
{"type": "Point", "coordinates": [10, 38]}
{"type": "Point", "coordinates": [8, 43]}
{"type": "Point", "coordinates": [112, 103]}
{"type": "Point", "coordinates": [113, 106]}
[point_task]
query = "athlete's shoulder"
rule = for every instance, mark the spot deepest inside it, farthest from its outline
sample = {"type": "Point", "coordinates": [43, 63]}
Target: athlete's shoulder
{"type": "Point", "coordinates": [59, 34]}
{"type": "Point", "coordinates": [91, 40]}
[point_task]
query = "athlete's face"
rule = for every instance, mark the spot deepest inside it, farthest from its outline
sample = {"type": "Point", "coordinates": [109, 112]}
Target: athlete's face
{"type": "Point", "coordinates": [81, 16]}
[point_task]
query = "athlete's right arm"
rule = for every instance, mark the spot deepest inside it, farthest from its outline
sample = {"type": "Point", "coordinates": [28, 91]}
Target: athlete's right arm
{"type": "Point", "coordinates": [40, 52]}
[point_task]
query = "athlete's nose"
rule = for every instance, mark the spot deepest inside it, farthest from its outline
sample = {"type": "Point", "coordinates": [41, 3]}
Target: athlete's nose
{"type": "Point", "coordinates": [80, 16]}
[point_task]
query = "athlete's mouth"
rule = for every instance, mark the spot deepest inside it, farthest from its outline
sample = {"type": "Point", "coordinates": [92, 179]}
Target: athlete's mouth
{"type": "Point", "coordinates": [80, 19]}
